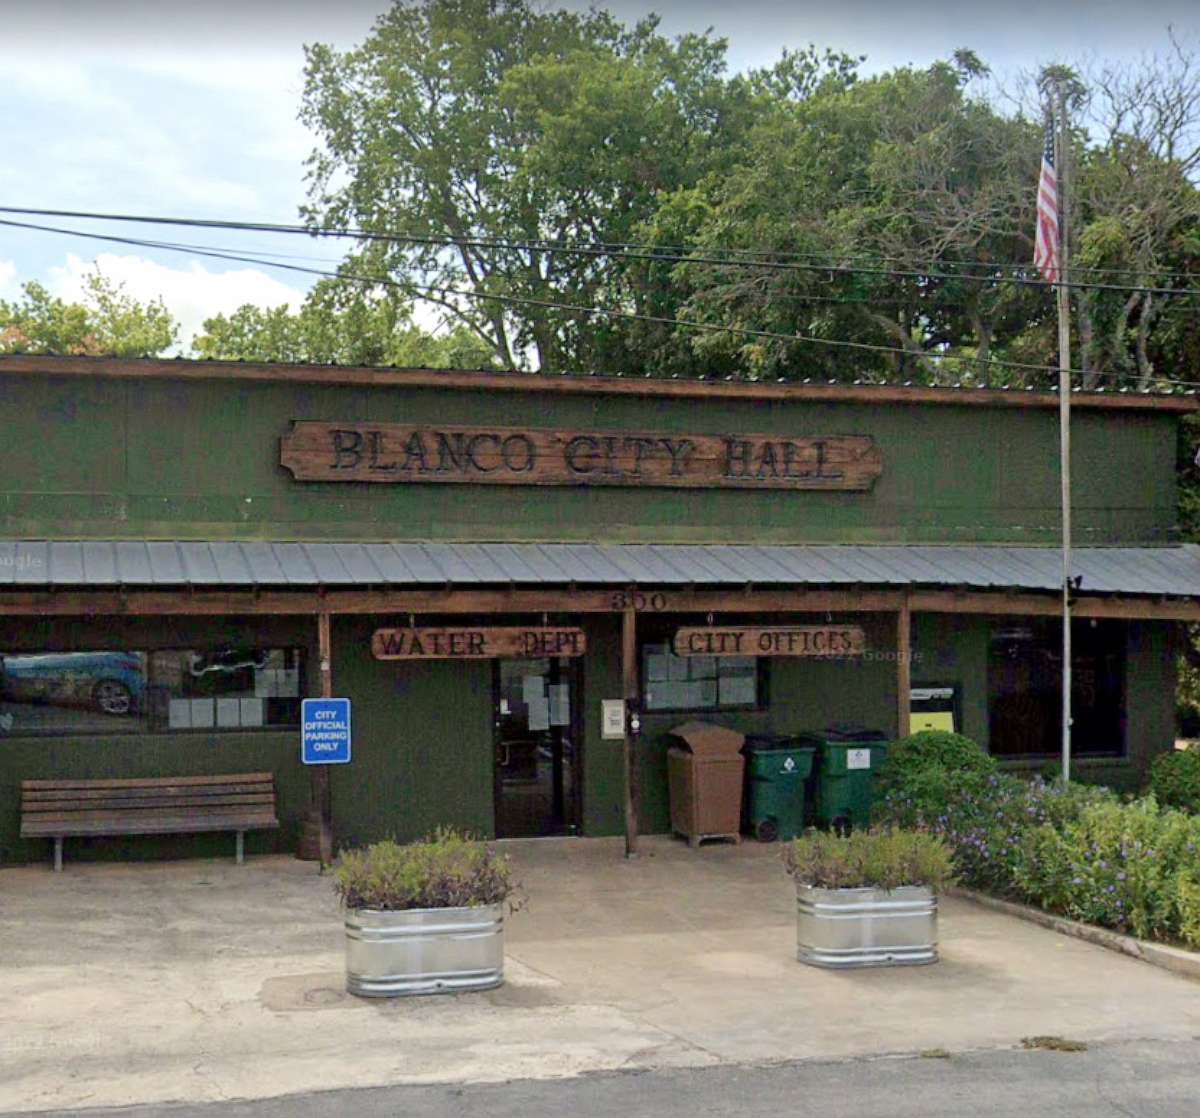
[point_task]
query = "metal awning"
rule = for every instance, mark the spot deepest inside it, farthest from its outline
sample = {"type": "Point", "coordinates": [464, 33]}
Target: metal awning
{"type": "Point", "coordinates": [29, 564]}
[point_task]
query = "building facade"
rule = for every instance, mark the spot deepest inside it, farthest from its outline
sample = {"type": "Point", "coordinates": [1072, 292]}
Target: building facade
{"type": "Point", "coordinates": [488, 565]}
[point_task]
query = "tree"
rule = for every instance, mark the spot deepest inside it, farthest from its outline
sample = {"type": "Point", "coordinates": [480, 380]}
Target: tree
{"type": "Point", "coordinates": [337, 324]}
{"type": "Point", "coordinates": [901, 184]}
{"type": "Point", "coordinates": [108, 322]}
{"type": "Point", "coordinates": [1138, 215]}
{"type": "Point", "coordinates": [483, 130]}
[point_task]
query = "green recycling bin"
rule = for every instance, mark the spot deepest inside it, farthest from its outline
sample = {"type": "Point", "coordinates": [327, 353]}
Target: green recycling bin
{"type": "Point", "coordinates": [777, 772]}
{"type": "Point", "coordinates": [848, 760]}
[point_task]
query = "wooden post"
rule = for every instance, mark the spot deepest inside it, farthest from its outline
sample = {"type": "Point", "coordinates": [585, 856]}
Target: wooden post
{"type": "Point", "coordinates": [322, 800]}
{"type": "Point", "coordinates": [903, 668]}
{"type": "Point", "coordinates": [629, 674]}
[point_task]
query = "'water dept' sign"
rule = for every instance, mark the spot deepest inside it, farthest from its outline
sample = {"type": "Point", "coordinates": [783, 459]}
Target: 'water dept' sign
{"type": "Point", "coordinates": [325, 731]}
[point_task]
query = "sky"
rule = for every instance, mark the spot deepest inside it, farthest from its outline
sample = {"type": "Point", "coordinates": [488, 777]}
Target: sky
{"type": "Point", "coordinates": [187, 108]}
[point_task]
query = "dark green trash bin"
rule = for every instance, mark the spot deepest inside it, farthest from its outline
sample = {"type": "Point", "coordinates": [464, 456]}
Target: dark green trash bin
{"type": "Point", "coordinates": [777, 772]}
{"type": "Point", "coordinates": [848, 760]}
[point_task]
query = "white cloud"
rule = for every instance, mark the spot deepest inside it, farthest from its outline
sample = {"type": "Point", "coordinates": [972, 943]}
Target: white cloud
{"type": "Point", "coordinates": [8, 279]}
{"type": "Point", "coordinates": [191, 294]}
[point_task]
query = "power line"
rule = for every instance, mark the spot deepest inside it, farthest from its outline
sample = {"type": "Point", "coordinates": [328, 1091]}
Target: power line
{"type": "Point", "coordinates": [546, 304]}
{"type": "Point", "coordinates": [593, 250]}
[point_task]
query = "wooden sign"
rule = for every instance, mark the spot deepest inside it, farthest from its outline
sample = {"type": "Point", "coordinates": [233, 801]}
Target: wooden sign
{"type": "Point", "coordinates": [784, 640]}
{"type": "Point", "coordinates": [520, 642]}
{"type": "Point", "coordinates": [400, 453]}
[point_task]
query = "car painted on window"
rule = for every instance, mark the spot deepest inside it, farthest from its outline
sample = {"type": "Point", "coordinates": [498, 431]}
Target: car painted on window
{"type": "Point", "coordinates": [110, 682]}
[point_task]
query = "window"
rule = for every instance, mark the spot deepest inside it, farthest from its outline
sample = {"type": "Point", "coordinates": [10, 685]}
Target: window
{"type": "Point", "coordinates": [109, 691]}
{"type": "Point", "coordinates": [1025, 689]}
{"type": "Point", "coordinates": [671, 682]}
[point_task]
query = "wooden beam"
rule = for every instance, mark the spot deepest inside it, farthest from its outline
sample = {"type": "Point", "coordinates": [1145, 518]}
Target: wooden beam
{"type": "Point", "coordinates": [425, 602]}
{"type": "Point", "coordinates": [322, 797]}
{"type": "Point", "coordinates": [903, 668]}
{"type": "Point", "coordinates": [208, 603]}
{"type": "Point", "coordinates": [577, 385]}
{"type": "Point", "coordinates": [1050, 604]}
{"type": "Point", "coordinates": [629, 678]}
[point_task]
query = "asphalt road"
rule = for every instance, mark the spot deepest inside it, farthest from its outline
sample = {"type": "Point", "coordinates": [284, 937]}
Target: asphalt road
{"type": "Point", "coordinates": [1135, 1080]}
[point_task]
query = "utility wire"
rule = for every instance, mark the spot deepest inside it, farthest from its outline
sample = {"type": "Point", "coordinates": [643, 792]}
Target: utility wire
{"type": "Point", "coordinates": [547, 304]}
{"type": "Point", "coordinates": [593, 250]}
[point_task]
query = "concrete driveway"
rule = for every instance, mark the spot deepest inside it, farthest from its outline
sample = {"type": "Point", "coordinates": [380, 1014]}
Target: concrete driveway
{"type": "Point", "coordinates": [203, 981]}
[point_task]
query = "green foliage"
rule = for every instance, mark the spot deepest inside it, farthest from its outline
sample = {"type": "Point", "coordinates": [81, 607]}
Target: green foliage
{"type": "Point", "coordinates": [1175, 779]}
{"type": "Point", "coordinates": [338, 324]}
{"type": "Point", "coordinates": [507, 120]}
{"type": "Point", "coordinates": [1133, 867]}
{"type": "Point", "coordinates": [447, 870]}
{"type": "Point", "coordinates": [927, 769]}
{"type": "Point", "coordinates": [935, 748]}
{"type": "Point", "coordinates": [1077, 850]}
{"type": "Point", "coordinates": [107, 323]}
{"type": "Point", "coordinates": [882, 858]}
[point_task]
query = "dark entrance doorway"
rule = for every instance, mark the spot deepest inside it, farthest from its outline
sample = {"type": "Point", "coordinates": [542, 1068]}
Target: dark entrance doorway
{"type": "Point", "coordinates": [537, 747]}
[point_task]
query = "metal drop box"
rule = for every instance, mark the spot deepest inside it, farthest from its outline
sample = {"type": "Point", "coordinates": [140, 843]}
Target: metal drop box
{"type": "Point", "coordinates": [705, 767]}
{"type": "Point", "coordinates": [842, 928]}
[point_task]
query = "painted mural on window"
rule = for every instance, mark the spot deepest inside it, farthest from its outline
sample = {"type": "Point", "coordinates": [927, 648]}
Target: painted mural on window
{"type": "Point", "coordinates": [116, 691]}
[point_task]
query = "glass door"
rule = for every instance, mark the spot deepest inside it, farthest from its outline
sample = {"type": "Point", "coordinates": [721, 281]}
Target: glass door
{"type": "Point", "coordinates": [536, 747]}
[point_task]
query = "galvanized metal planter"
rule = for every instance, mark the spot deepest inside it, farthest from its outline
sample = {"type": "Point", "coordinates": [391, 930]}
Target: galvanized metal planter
{"type": "Point", "coordinates": [866, 927]}
{"type": "Point", "coordinates": [424, 950]}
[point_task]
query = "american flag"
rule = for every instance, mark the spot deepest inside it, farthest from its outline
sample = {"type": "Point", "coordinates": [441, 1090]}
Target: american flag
{"type": "Point", "coordinates": [1046, 256]}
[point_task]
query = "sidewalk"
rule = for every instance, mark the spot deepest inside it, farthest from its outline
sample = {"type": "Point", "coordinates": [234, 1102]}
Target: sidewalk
{"type": "Point", "coordinates": [205, 981]}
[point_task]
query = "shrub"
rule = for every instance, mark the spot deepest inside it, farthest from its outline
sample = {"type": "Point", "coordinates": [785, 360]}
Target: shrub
{"type": "Point", "coordinates": [1075, 849]}
{"type": "Point", "coordinates": [938, 749]}
{"type": "Point", "coordinates": [928, 768]}
{"type": "Point", "coordinates": [983, 819]}
{"type": "Point", "coordinates": [1133, 867]}
{"type": "Point", "coordinates": [447, 870]}
{"type": "Point", "coordinates": [880, 858]}
{"type": "Point", "coordinates": [1175, 779]}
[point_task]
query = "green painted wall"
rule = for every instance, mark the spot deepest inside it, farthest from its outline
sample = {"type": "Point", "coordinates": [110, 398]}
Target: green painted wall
{"type": "Point", "coordinates": [131, 458]}
{"type": "Point", "coordinates": [422, 751]}
{"type": "Point", "coordinates": [952, 650]}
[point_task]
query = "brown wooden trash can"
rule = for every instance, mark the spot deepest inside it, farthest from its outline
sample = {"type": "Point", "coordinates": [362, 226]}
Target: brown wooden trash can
{"type": "Point", "coordinates": [704, 775]}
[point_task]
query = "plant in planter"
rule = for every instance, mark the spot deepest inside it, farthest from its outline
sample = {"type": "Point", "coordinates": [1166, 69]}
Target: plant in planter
{"type": "Point", "coordinates": [868, 898]}
{"type": "Point", "coordinates": [423, 918]}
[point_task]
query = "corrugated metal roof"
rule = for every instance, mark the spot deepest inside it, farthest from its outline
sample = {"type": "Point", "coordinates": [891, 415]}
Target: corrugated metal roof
{"type": "Point", "coordinates": [1172, 571]}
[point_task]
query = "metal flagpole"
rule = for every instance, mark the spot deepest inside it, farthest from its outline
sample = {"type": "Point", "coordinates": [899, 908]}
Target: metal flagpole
{"type": "Point", "coordinates": [1064, 414]}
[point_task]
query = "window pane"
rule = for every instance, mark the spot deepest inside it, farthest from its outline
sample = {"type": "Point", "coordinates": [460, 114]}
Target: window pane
{"type": "Point", "coordinates": [72, 693]}
{"type": "Point", "coordinates": [697, 683]}
{"type": "Point", "coordinates": [1025, 689]}
{"type": "Point", "coordinates": [738, 690]}
{"type": "Point", "coordinates": [108, 691]}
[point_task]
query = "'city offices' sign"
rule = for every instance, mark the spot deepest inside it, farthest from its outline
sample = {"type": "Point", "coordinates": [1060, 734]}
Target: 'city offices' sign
{"type": "Point", "coordinates": [778, 640]}
{"type": "Point", "coordinates": [398, 453]}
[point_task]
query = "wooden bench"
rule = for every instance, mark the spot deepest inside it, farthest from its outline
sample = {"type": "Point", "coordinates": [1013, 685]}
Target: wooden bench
{"type": "Point", "coordinates": [173, 805]}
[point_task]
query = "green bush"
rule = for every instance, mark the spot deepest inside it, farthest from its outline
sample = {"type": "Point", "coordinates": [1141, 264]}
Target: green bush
{"type": "Point", "coordinates": [1175, 779]}
{"type": "Point", "coordinates": [881, 858]}
{"type": "Point", "coordinates": [929, 768]}
{"type": "Point", "coordinates": [447, 870]}
{"type": "Point", "coordinates": [983, 819]}
{"type": "Point", "coordinates": [1133, 867]}
{"type": "Point", "coordinates": [1077, 850]}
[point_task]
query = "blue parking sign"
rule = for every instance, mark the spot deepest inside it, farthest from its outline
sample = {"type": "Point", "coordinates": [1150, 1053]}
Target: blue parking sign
{"type": "Point", "coordinates": [325, 731]}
